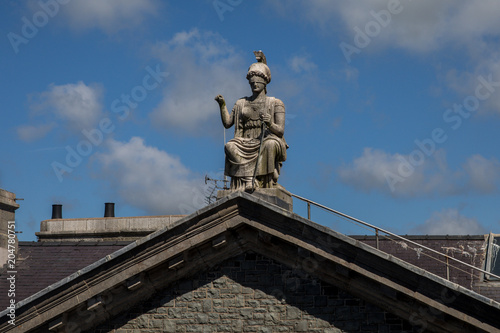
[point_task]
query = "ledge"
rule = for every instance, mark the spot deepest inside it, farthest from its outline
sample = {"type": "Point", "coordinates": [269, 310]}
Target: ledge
{"type": "Point", "coordinates": [277, 196]}
{"type": "Point", "coordinates": [103, 229]}
{"type": "Point", "coordinates": [8, 199]}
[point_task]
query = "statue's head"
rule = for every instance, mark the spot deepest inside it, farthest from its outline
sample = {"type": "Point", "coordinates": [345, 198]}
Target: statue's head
{"type": "Point", "coordinates": [257, 83]}
{"type": "Point", "coordinates": [260, 70]}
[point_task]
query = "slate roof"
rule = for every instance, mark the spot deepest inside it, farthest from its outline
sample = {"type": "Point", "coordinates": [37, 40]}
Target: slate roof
{"type": "Point", "coordinates": [470, 249]}
{"type": "Point", "coordinates": [40, 264]}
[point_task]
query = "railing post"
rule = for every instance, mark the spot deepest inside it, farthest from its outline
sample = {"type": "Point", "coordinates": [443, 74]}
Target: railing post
{"type": "Point", "coordinates": [308, 210]}
{"type": "Point", "coordinates": [376, 236]}
{"type": "Point", "coordinates": [447, 269]}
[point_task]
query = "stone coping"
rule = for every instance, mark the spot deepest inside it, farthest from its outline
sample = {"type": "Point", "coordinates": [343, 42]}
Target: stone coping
{"type": "Point", "coordinates": [108, 224]}
{"type": "Point", "coordinates": [8, 199]}
{"type": "Point", "coordinates": [277, 196]}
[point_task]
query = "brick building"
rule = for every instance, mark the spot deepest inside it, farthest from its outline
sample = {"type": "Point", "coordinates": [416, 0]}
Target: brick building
{"type": "Point", "coordinates": [244, 264]}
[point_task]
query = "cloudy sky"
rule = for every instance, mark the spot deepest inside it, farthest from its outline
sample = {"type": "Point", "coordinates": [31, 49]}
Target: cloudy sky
{"type": "Point", "coordinates": [393, 107]}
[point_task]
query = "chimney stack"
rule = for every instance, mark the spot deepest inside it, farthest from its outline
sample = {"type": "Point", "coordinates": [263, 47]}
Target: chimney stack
{"type": "Point", "coordinates": [8, 206]}
{"type": "Point", "coordinates": [56, 211]}
{"type": "Point", "coordinates": [109, 209]}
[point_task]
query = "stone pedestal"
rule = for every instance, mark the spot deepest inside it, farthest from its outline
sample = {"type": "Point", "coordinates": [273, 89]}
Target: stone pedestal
{"type": "Point", "coordinates": [277, 196]}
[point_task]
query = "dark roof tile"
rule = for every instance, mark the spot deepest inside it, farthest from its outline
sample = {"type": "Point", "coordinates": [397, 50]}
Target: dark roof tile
{"type": "Point", "coordinates": [40, 264]}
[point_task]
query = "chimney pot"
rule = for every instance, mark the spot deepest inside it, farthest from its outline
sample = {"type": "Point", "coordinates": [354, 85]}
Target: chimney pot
{"type": "Point", "coordinates": [109, 209]}
{"type": "Point", "coordinates": [57, 211]}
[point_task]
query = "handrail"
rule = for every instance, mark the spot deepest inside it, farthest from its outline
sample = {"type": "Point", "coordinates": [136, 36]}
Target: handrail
{"type": "Point", "coordinates": [377, 230]}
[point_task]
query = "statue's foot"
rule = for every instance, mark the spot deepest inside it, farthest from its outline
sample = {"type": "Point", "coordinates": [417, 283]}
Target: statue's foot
{"type": "Point", "coordinates": [249, 188]}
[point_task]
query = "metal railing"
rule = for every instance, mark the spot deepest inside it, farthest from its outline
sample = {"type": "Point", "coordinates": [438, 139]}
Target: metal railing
{"type": "Point", "coordinates": [380, 230]}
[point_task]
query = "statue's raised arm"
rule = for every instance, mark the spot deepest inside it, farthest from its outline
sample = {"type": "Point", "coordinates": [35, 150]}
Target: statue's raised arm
{"type": "Point", "coordinates": [255, 155]}
{"type": "Point", "coordinates": [227, 119]}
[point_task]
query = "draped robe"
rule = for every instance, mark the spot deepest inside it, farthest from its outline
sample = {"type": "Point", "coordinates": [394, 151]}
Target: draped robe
{"type": "Point", "coordinates": [242, 151]}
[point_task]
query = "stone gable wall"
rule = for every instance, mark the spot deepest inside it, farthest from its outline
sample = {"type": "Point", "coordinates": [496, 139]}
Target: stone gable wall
{"type": "Point", "coordinates": [251, 293]}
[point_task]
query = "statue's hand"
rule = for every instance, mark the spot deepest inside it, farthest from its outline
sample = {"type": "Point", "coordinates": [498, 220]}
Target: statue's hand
{"type": "Point", "coordinates": [220, 100]}
{"type": "Point", "coordinates": [266, 118]}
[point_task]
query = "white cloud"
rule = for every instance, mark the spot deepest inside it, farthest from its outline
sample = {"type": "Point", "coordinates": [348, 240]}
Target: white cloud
{"type": "Point", "coordinates": [30, 133]}
{"type": "Point", "coordinates": [77, 104]}
{"type": "Point", "coordinates": [406, 175]}
{"type": "Point", "coordinates": [301, 64]}
{"type": "Point", "coordinates": [418, 27]}
{"type": "Point", "coordinates": [201, 66]}
{"type": "Point", "coordinates": [110, 15]}
{"type": "Point", "coordinates": [375, 170]}
{"type": "Point", "coordinates": [450, 222]}
{"type": "Point", "coordinates": [414, 25]}
{"type": "Point", "coordinates": [468, 27]}
{"type": "Point", "coordinates": [149, 178]}
{"type": "Point", "coordinates": [351, 74]}
{"type": "Point", "coordinates": [487, 68]}
{"type": "Point", "coordinates": [474, 19]}
{"type": "Point", "coordinates": [483, 174]}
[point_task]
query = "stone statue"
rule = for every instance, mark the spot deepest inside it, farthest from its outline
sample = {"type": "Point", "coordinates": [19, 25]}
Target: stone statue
{"type": "Point", "coordinates": [255, 155]}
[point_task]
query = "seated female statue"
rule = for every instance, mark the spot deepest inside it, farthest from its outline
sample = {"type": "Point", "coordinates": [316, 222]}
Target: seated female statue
{"type": "Point", "coordinates": [254, 156]}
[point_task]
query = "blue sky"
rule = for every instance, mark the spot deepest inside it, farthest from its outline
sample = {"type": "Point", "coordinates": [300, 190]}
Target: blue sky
{"type": "Point", "coordinates": [392, 106]}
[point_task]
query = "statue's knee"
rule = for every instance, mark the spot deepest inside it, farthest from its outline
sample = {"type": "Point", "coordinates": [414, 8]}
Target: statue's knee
{"type": "Point", "coordinates": [231, 150]}
{"type": "Point", "coordinates": [229, 146]}
{"type": "Point", "coordinates": [269, 145]}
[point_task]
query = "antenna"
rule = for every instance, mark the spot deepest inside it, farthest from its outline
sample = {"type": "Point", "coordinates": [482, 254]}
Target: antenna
{"type": "Point", "coordinates": [215, 184]}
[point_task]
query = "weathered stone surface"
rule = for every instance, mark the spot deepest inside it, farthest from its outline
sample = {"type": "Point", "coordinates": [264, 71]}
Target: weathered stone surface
{"type": "Point", "coordinates": [224, 299]}
{"type": "Point", "coordinates": [8, 206]}
{"type": "Point", "coordinates": [255, 155]}
{"type": "Point", "coordinates": [103, 229]}
{"type": "Point", "coordinates": [277, 196]}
